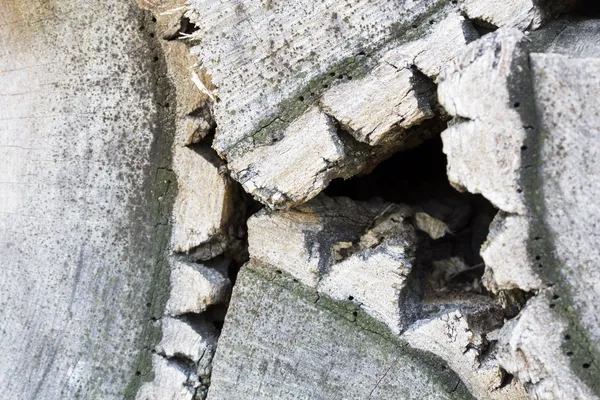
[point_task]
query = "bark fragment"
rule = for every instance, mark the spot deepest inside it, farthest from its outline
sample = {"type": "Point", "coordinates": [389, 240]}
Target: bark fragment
{"type": "Point", "coordinates": [204, 205]}
{"type": "Point", "coordinates": [194, 287]}
{"type": "Point", "coordinates": [484, 153]}
{"type": "Point", "coordinates": [192, 341]}
{"type": "Point", "coordinates": [532, 351]}
{"type": "Point", "coordinates": [507, 259]}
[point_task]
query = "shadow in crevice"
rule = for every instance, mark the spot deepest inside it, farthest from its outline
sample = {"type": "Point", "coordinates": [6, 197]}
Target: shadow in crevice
{"type": "Point", "coordinates": [483, 27]}
{"type": "Point", "coordinates": [586, 9]}
{"type": "Point", "coordinates": [418, 177]}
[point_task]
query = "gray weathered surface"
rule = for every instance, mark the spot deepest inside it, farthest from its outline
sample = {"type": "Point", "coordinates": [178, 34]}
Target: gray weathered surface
{"type": "Point", "coordinates": [327, 87]}
{"type": "Point", "coordinates": [80, 173]}
{"type": "Point", "coordinates": [293, 348]}
{"type": "Point", "coordinates": [484, 152]}
{"type": "Point", "coordinates": [456, 337]}
{"type": "Point", "coordinates": [340, 298]}
{"type": "Point", "coordinates": [566, 90]}
{"type": "Point", "coordinates": [531, 349]}
{"type": "Point", "coordinates": [531, 148]}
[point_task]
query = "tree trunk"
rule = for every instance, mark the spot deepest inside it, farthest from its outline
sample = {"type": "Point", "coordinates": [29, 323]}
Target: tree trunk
{"type": "Point", "coordinates": [299, 200]}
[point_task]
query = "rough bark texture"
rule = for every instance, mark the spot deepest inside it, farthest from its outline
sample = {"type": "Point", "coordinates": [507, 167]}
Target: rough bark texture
{"type": "Point", "coordinates": [297, 346]}
{"type": "Point", "coordinates": [84, 192]}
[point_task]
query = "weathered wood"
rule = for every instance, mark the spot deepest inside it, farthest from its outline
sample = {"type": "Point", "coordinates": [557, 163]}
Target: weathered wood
{"type": "Point", "coordinates": [530, 347]}
{"type": "Point", "coordinates": [455, 336]}
{"type": "Point", "coordinates": [293, 347]}
{"type": "Point", "coordinates": [204, 206]}
{"type": "Point", "coordinates": [281, 101]}
{"type": "Point", "coordinates": [375, 269]}
{"type": "Point", "coordinates": [484, 153]}
{"type": "Point", "coordinates": [84, 197]}
{"type": "Point", "coordinates": [508, 262]}
{"type": "Point", "coordinates": [521, 14]}
{"type": "Point", "coordinates": [300, 241]}
{"type": "Point", "coordinates": [171, 381]}
{"type": "Point", "coordinates": [531, 149]}
{"type": "Point", "coordinates": [194, 287]}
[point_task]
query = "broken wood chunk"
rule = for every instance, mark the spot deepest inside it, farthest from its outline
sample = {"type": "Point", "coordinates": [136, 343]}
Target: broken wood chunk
{"type": "Point", "coordinates": [455, 336]}
{"type": "Point", "coordinates": [194, 287]}
{"type": "Point", "coordinates": [433, 227]}
{"type": "Point", "coordinates": [269, 59]}
{"type": "Point", "coordinates": [171, 381]}
{"type": "Point", "coordinates": [301, 241]}
{"type": "Point", "coordinates": [484, 153]}
{"type": "Point", "coordinates": [375, 273]}
{"type": "Point", "coordinates": [387, 99]}
{"type": "Point", "coordinates": [203, 207]}
{"type": "Point", "coordinates": [507, 262]}
{"type": "Point", "coordinates": [272, 100]}
{"type": "Point", "coordinates": [445, 40]}
{"type": "Point", "coordinates": [398, 93]}
{"type": "Point", "coordinates": [521, 14]}
{"type": "Point", "coordinates": [189, 340]}
{"type": "Point", "coordinates": [298, 167]}
{"type": "Point", "coordinates": [194, 119]}
{"type": "Point", "coordinates": [531, 348]}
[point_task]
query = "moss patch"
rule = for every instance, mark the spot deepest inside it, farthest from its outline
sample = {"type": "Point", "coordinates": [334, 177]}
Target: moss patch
{"type": "Point", "coordinates": [270, 129]}
{"type": "Point", "coordinates": [160, 189]}
{"type": "Point", "coordinates": [350, 315]}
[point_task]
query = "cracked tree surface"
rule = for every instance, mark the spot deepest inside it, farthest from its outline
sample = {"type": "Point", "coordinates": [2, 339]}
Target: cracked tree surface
{"type": "Point", "coordinates": [127, 152]}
